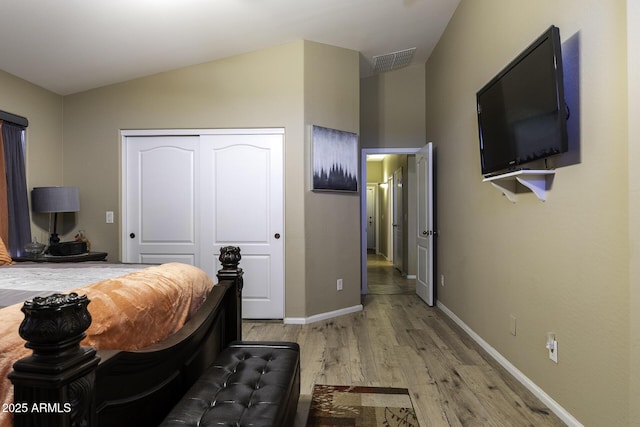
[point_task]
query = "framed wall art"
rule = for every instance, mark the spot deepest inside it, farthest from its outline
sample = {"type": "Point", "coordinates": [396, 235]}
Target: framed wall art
{"type": "Point", "coordinates": [335, 160]}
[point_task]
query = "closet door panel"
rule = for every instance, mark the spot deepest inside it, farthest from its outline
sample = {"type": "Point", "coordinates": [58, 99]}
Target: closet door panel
{"type": "Point", "coordinates": [243, 181]}
{"type": "Point", "coordinates": [162, 205]}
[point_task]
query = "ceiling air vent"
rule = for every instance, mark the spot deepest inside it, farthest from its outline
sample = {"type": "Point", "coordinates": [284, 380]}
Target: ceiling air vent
{"type": "Point", "coordinates": [392, 61]}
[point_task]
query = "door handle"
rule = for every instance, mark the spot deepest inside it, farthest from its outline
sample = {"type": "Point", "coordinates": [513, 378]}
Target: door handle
{"type": "Point", "coordinates": [277, 235]}
{"type": "Point", "coordinates": [132, 235]}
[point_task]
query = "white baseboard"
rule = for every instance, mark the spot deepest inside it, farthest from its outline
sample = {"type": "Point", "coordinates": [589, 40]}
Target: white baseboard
{"type": "Point", "coordinates": [322, 316]}
{"type": "Point", "coordinates": [562, 413]}
{"type": "Point", "coordinates": [411, 276]}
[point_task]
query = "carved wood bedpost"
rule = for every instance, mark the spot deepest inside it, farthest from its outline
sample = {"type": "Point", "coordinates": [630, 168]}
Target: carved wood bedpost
{"type": "Point", "coordinates": [55, 385]}
{"type": "Point", "coordinates": [230, 258]}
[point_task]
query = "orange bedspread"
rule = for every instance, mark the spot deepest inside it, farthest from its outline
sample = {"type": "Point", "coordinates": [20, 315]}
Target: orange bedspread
{"type": "Point", "coordinates": [128, 312]}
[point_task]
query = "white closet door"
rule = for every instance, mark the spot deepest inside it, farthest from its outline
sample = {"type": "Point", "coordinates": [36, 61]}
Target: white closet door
{"type": "Point", "coordinates": [242, 187]}
{"type": "Point", "coordinates": [160, 208]}
{"type": "Point", "coordinates": [185, 197]}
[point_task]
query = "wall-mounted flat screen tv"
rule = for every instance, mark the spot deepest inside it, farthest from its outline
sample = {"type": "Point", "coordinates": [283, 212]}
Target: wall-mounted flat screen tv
{"type": "Point", "coordinates": [522, 115]}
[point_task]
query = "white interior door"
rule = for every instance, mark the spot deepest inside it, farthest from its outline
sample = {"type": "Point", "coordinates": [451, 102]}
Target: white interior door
{"type": "Point", "coordinates": [398, 217]}
{"type": "Point", "coordinates": [389, 252]}
{"type": "Point", "coordinates": [242, 178]}
{"type": "Point", "coordinates": [424, 172]}
{"type": "Point", "coordinates": [184, 197]}
{"type": "Point", "coordinates": [371, 216]}
{"type": "Point", "coordinates": [160, 200]}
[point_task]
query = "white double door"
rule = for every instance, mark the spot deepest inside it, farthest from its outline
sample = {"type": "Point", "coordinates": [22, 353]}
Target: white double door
{"type": "Point", "coordinates": [186, 195]}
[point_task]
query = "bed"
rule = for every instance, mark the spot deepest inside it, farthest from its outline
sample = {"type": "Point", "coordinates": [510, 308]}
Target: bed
{"type": "Point", "coordinates": [155, 329]}
{"type": "Point", "coordinates": [24, 280]}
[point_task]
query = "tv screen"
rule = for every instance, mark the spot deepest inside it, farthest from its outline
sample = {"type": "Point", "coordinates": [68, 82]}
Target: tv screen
{"type": "Point", "coordinates": [521, 111]}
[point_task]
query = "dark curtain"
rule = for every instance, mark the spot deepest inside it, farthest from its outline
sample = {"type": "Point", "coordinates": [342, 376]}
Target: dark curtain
{"type": "Point", "coordinates": [17, 194]}
{"type": "Point", "coordinates": [4, 210]}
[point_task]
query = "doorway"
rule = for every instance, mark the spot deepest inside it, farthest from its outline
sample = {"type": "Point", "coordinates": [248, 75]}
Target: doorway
{"type": "Point", "coordinates": [378, 258]}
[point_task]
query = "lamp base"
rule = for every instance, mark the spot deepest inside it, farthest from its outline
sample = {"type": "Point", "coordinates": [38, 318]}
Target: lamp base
{"type": "Point", "coordinates": [54, 239]}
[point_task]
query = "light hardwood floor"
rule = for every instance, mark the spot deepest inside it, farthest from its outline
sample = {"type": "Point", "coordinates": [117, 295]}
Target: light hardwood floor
{"type": "Point", "coordinates": [399, 341]}
{"type": "Point", "coordinates": [384, 279]}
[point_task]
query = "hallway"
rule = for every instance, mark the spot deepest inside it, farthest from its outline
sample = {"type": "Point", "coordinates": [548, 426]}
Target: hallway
{"type": "Point", "coordinates": [384, 279]}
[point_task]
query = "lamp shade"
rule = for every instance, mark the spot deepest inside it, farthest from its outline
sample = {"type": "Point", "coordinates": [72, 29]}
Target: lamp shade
{"type": "Point", "coordinates": [55, 199]}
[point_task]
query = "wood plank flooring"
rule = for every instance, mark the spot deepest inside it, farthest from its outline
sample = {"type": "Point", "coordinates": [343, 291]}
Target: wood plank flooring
{"type": "Point", "coordinates": [383, 279]}
{"type": "Point", "coordinates": [399, 341]}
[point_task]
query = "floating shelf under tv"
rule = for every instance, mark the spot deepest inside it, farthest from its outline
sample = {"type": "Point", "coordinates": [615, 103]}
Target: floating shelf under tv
{"type": "Point", "coordinates": [537, 181]}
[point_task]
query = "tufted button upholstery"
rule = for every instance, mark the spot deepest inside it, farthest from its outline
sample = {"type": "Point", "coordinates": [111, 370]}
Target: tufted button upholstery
{"type": "Point", "coordinates": [249, 384]}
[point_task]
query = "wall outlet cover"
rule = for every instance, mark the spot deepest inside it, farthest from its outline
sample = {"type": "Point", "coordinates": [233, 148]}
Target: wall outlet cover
{"type": "Point", "coordinates": [553, 351]}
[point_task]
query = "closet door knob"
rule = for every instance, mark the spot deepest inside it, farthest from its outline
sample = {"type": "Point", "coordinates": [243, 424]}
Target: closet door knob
{"type": "Point", "coordinates": [277, 235]}
{"type": "Point", "coordinates": [132, 235]}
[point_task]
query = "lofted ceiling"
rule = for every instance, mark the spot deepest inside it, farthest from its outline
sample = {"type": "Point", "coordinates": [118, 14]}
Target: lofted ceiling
{"type": "Point", "coordinates": [69, 46]}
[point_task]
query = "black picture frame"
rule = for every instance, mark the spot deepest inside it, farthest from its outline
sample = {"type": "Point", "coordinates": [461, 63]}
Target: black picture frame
{"type": "Point", "coordinates": [334, 160]}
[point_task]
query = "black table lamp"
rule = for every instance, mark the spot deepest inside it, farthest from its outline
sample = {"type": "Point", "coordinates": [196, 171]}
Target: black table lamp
{"type": "Point", "coordinates": [53, 200]}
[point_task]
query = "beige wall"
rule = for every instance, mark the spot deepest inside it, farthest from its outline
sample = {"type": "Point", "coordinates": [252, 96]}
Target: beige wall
{"type": "Point", "coordinates": [392, 107]}
{"type": "Point", "coordinates": [374, 172]}
{"type": "Point", "coordinates": [561, 265]}
{"type": "Point", "coordinates": [44, 135]}
{"type": "Point", "coordinates": [633, 58]}
{"type": "Point", "coordinates": [332, 222]}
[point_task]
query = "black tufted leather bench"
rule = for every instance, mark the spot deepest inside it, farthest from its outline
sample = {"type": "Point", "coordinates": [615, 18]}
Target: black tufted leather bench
{"type": "Point", "coordinates": [248, 384]}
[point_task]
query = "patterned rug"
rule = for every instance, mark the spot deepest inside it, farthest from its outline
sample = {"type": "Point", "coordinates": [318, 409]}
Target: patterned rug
{"type": "Point", "coordinates": [333, 405]}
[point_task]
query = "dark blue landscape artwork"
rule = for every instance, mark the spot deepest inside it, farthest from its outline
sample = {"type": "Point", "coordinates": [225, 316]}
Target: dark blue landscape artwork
{"type": "Point", "coordinates": [335, 160]}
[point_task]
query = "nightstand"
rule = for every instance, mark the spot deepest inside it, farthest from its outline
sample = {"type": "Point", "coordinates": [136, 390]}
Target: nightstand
{"type": "Point", "coordinates": [89, 256]}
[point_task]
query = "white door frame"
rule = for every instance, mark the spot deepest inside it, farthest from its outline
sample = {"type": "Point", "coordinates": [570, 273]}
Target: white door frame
{"type": "Point", "coordinates": [363, 205]}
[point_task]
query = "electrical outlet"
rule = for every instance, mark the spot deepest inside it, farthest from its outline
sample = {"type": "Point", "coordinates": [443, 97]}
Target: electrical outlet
{"type": "Point", "coordinates": [553, 351]}
{"type": "Point", "coordinates": [109, 217]}
{"type": "Point", "coordinates": [552, 346]}
{"type": "Point", "coordinates": [339, 284]}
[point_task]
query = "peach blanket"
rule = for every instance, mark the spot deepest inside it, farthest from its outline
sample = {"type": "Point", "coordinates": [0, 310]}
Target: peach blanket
{"type": "Point", "coordinates": [128, 312]}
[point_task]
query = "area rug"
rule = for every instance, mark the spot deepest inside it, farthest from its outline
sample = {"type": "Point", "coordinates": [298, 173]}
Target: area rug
{"type": "Point", "coordinates": [333, 405]}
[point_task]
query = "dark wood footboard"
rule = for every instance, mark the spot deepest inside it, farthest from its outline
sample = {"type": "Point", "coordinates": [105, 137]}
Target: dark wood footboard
{"type": "Point", "coordinates": [65, 384]}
